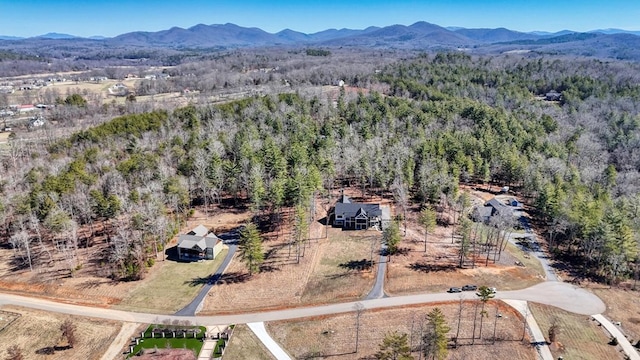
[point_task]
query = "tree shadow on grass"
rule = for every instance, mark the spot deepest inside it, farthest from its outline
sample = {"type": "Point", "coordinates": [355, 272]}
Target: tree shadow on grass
{"type": "Point", "coordinates": [50, 350]}
{"type": "Point", "coordinates": [268, 268]}
{"type": "Point", "coordinates": [197, 281]}
{"type": "Point", "coordinates": [359, 265]}
{"type": "Point", "coordinates": [233, 278]}
{"type": "Point", "coordinates": [92, 284]}
{"type": "Point", "coordinates": [426, 268]}
{"type": "Point", "coordinates": [404, 251]}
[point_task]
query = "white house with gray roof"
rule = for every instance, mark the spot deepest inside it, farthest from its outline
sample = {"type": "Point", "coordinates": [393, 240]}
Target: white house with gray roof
{"type": "Point", "coordinates": [199, 244]}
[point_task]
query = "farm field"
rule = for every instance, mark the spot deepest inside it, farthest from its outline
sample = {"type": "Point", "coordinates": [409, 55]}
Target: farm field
{"type": "Point", "coordinates": [335, 336]}
{"type": "Point", "coordinates": [37, 332]}
{"type": "Point", "coordinates": [579, 338]}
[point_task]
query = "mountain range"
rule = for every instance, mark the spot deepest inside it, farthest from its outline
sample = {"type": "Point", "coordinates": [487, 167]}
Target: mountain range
{"type": "Point", "coordinates": [614, 43]}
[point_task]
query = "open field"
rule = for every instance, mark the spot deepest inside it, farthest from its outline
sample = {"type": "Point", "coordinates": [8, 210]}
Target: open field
{"type": "Point", "coordinates": [344, 274]}
{"type": "Point", "coordinates": [335, 336]}
{"type": "Point", "coordinates": [580, 337]}
{"type": "Point", "coordinates": [322, 275]}
{"type": "Point", "coordinates": [245, 345]}
{"type": "Point", "coordinates": [62, 89]}
{"type": "Point", "coordinates": [36, 332]}
{"type": "Point", "coordinates": [172, 286]}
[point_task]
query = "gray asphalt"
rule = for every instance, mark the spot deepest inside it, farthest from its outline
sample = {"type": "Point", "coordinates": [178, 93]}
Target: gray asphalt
{"type": "Point", "coordinates": [565, 296]}
{"type": "Point", "coordinates": [377, 292]}
{"type": "Point", "coordinates": [536, 251]}
{"type": "Point", "coordinates": [230, 239]}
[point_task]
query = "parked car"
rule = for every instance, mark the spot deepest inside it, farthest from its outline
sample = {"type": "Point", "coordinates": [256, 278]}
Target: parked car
{"type": "Point", "coordinates": [454, 290]}
{"type": "Point", "coordinates": [470, 288]}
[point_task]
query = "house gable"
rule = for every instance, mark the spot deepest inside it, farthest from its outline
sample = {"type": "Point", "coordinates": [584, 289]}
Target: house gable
{"type": "Point", "coordinates": [351, 215]}
{"type": "Point", "coordinates": [199, 243]}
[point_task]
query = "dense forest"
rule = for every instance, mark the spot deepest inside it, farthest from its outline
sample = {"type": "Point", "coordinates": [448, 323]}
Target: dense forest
{"type": "Point", "coordinates": [443, 120]}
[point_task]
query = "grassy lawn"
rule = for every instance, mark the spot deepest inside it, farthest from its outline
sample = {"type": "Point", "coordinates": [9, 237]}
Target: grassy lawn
{"type": "Point", "coordinates": [171, 287]}
{"type": "Point", "coordinates": [245, 345]}
{"type": "Point", "coordinates": [194, 344]}
{"type": "Point", "coordinates": [343, 273]}
{"type": "Point", "coordinates": [580, 337]}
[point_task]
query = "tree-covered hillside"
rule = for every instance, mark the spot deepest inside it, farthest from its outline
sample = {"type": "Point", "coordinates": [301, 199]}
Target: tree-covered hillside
{"type": "Point", "coordinates": [447, 119]}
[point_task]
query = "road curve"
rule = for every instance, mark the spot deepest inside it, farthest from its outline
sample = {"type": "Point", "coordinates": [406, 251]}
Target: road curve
{"type": "Point", "coordinates": [562, 295]}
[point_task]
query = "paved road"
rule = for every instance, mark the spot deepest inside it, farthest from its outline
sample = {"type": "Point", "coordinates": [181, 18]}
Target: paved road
{"type": "Point", "coordinates": [230, 239]}
{"type": "Point", "coordinates": [538, 337]}
{"type": "Point", "coordinates": [122, 339]}
{"type": "Point", "coordinates": [562, 295]}
{"type": "Point", "coordinates": [536, 250]}
{"type": "Point", "coordinates": [273, 347]}
{"type": "Point", "coordinates": [622, 340]}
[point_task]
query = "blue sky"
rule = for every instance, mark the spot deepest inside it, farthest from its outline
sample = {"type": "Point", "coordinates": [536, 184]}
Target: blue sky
{"type": "Point", "coordinates": [110, 18]}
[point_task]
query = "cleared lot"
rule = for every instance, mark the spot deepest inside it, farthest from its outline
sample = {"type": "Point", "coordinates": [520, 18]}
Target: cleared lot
{"type": "Point", "coordinates": [37, 333]}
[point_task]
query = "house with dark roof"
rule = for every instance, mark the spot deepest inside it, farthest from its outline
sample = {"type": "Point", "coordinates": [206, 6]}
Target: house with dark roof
{"type": "Point", "coordinates": [350, 215]}
{"type": "Point", "coordinates": [553, 96]}
{"type": "Point", "coordinates": [491, 208]}
{"type": "Point", "coordinates": [199, 244]}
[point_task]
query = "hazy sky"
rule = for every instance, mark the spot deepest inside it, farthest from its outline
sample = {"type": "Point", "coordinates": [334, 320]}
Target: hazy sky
{"type": "Point", "coordinates": [113, 17]}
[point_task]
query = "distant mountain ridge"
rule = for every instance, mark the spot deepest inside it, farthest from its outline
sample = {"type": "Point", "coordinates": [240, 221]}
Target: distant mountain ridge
{"type": "Point", "coordinates": [231, 33]}
{"type": "Point", "coordinates": [612, 43]}
{"type": "Point", "coordinates": [53, 35]}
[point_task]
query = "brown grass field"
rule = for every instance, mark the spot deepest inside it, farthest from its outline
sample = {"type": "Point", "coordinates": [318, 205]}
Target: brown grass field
{"type": "Point", "coordinates": [36, 331]}
{"type": "Point", "coordinates": [334, 336]}
{"type": "Point", "coordinates": [245, 345]}
{"type": "Point", "coordinates": [321, 276]}
{"type": "Point", "coordinates": [623, 304]}
{"type": "Point", "coordinates": [580, 337]}
{"type": "Point", "coordinates": [435, 270]}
